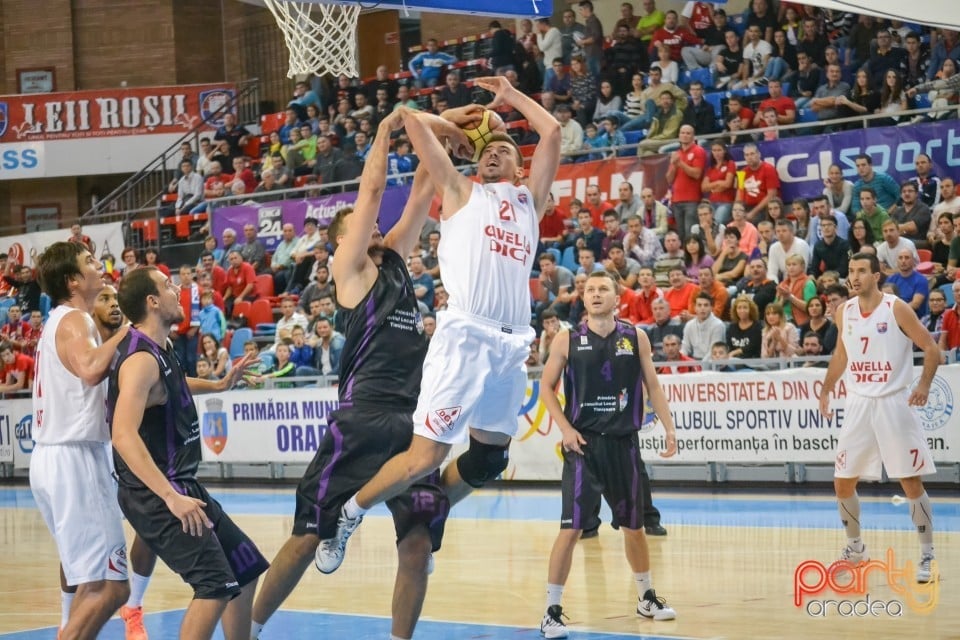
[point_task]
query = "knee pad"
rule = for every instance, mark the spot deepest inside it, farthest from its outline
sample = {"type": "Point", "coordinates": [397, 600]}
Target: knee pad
{"type": "Point", "coordinates": [482, 462]}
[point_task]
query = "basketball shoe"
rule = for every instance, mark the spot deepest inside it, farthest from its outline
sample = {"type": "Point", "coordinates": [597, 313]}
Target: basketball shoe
{"type": "Point", "coordinates": [854, 557]}
{"type": "Point", "coordinates": [133, 622]}
{"type": "Point", "coordinates": [925, 572]}
{"type": "Point", "coordinates": [552, 625]}
{"type": "Point", "coordinates": [330, 553]}
{"type": "Point", "coordinates": [651, 606]}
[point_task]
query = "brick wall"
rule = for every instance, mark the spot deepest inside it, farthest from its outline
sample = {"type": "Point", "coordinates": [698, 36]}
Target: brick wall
{"type": "Point", "coordinates": [61, 191]}
{"type": "Point", "coordinates": [30, 42]}
{"type": "Point", "coordinates": [198, 41]}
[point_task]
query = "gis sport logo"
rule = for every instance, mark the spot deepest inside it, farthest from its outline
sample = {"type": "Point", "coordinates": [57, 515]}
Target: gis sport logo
{"type": "Point", "coordinates": [936, 413]}
{"type": "Point", "coordinates": [212, 101]}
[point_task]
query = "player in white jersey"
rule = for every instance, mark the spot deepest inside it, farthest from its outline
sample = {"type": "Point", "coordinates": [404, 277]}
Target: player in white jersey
{"type": "Point", "coordinates": [875, 357]}
{"type": "Point", "coordinates": [70, 468]}
{"type": "Point", "coordinates": [474, 375]}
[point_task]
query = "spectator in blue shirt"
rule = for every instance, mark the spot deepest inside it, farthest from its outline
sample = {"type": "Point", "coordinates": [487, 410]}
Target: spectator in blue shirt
{"type": "Point", "coordinates": [422, 281]}
{"type": "Point", "coordinates": [400, 161]}
{"type": "Point", "coordinates": [212, 321]}
{"type": "Point", "coordinates": [427, 66]}
{"type": "Point", "coordinates": [303, 97]}
{"type": "Point", "coordinates": [886, 188]}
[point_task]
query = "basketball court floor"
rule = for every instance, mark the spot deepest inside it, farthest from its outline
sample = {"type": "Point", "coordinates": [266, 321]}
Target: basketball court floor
{"type": "Point", "coordinates": [727, 566]}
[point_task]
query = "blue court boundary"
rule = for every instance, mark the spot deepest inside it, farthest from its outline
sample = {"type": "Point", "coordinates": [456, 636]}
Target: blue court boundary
{"type": "Point", "coordinates": [307, 625]}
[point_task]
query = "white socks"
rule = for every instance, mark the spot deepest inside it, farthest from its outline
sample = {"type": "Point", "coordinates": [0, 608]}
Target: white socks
{"type": "Point", "coordinates": [352, 509]}
{"type": "Point", "coordinates": [66, 599]}
{"type": "Point", "coordinates": [644, 583]}
{"type": "Point", "coordinates": [255, 629]}
{"type": "Point", "coordinates": [138, 587]}
{"type": "Point", "coordinates": [554, 594]}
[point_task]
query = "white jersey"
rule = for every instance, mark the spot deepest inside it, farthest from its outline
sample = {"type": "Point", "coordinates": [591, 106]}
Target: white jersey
{"type": "Point", "coordinates": [879, 355]}
{"type": "Point", "coordinates": [65, 408]}
{"type": "Point", "coordinates": [487, 250]}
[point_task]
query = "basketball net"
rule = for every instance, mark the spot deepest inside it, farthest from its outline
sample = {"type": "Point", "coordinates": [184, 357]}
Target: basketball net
{"type": "Point", "coordinates": [321, 38]}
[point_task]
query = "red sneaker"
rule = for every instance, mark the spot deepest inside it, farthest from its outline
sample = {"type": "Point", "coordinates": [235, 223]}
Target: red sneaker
{"type": "Point", "coordinates": [133, 621]}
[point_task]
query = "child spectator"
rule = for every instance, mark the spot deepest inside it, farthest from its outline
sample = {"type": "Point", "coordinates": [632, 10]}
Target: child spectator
{"type": "Point", "coordinates": [212, 320]}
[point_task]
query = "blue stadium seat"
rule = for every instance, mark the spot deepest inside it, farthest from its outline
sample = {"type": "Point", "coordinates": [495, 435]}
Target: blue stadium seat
{"type": "Point", "coordinates": [716, 101]}
{"type": "Point", "coordinates": [555, 253]}
{"type": "Point", "coordinates": [240, 336]}
{"type": "Point", "coordinates": [806, 115]}
{"type": "Point", "coordinates": [922, 101]}
{"type": "Point", "coordinates": [702, 75]}
{"type": "Point", "coordinates": [569, 259]}
{"type": "Point", "coordinates": [267, 361]}
{"type": "Point", "coordinates": [947, 290]}
{"type": "Point", "coordinates": [633, 137]}
{"type": "Point", "coordinates": [265, 329]}
{"type": "Point", "coordinates": [738, 23]}
{"type": "Point", "coordinates": [45, 305]}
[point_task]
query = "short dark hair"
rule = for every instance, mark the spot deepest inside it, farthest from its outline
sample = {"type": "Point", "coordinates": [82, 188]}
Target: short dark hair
{"type": "Point", "coordinates": [6, 346]}
{"type": "Point", "coordinates": [732, 231]}
{"type": "Point", "coordinates": [705, 296]}
{"type": "Point", "coordinates": [828, 218]}
{"type": "Point", "coordinates": [869, 257]}
{"type": "Point", "coordinates": [546, 255]}
{"type": "Point", "coordinates": [549, 313]}
{"type": "Point", "coordinates": [864, 156]}
{"type": "Point", "coordinates": [838, 289]}
{"type": "Point", "coordinates": [57, 266]}
{"type": "Point", "coordinates": [335, 225]}
{"type": "Point", "coordinates": [615, 245]}
{"type": "Point", "coordinates": [135, 286]}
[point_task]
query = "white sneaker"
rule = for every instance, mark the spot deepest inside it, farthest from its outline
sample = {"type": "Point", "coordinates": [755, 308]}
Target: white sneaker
{"type": "Point", "coordinates": [925, 573]}
{"type": "Point", "coordinates": [650, 606]}
{"type": "Point", "coordinates": [854, 557]}
{"type": "Point", "coordinates": [552, 626]}
{"type": "Point", "coordinates": [430, 565]}
{"type": "Point", "coordinates": [330, 553]}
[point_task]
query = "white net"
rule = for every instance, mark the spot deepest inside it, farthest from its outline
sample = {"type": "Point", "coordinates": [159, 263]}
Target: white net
{"type": "Point", "coordinates": [321, 38]}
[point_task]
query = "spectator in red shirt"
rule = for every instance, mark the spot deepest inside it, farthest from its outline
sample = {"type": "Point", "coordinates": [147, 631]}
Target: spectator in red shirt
{"type": "Point", "coordinates": [687, 165]}
{"type": "Point", "coordinates": [672, 353]}
{"type": "Point", "coordinates": [215, 186]}
{"type": "Point", "coordinates": [76, 235]}
{"type": "Point", "coordinates": [553, 225]}
{"type": "Point", "coordinates": [675, 37]}
{"type": "Point", "coordinates": [36, 329]}
{"type": "Point", "coordinates": [786, 107]}
{"type": "Point", "coordinates": [218, 276]}
{"type": "Point", "coordinates": [244, 174]}
{"type": "Point", "coordinates": [205, 280]}
{"type": "Point", "coordinates": [647, 293]}
{"type": "Point", "coordinates": [241, 282]}
{"type": "Point", "coordinates": [16, 331]}
{"type": "Point", "coordinates": [17, 369]}
{"type": "Point", "coordinates": [950, 337]}
{"type": "Point", "coordinates": [680, 293]}
{"type": "Point", "coordinates": [596, 205]}
{"type": "Point", "coordinates": [760, 183]}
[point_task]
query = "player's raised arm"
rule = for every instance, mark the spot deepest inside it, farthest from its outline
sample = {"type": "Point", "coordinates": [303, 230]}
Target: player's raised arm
{"type": "Point", "coordinates": [426, 132]}
{"type": "Point", "coordinates": [79, 352]}
{"type": "Point", "coordinates": [352, 259]}
{"type": "Point", "coordinates": [546, 159]}
{"type": "Point", "coordinates": [405, 235]}
{"type": "Point", "coordinates": [658, 399]}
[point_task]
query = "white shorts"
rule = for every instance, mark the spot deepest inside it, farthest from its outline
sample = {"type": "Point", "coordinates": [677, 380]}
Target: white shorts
{"type": "Point", "coordinates": [77, 497]}
{"type": "Point", "coordinates": [474, 376]}
{"type": "Point", "coordinates": [881, 432]}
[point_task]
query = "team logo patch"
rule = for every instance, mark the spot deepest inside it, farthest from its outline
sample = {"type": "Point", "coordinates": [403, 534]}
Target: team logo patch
{"type": "Point", "coordinates": [624, 347]}
{"type": "Point", "coordinates": [522, 198]}
{"type": "Point", "coordinates": [211, 101]}
{"type": "Point", "coordinates": [881, 327]}
{"type": "Point", "coordinates": [4, 117]}
{"type": "Point", "coordinates": [419, 323]}
{"type": "Point", "coordinates": [936, 413]}
{"type": "Point", "coordinates": [841, 462]}
{"type": "Point", "coordinates": [443, 420]}
{"type": "Point", "coordinates": [215, 426]}
{"type": "Point", "coordinates": [117, 562]}
{"type": "Point", "coordinates": [623, 399]}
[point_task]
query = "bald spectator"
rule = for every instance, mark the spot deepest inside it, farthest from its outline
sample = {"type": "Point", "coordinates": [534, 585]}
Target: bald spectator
{"type": "Point", "coordinates": [787, 245]}
{"type": "Point", "coordinates": [252, 250]}
{"type": "Point", "coordinates": [911, 286]}
{"type": "Point", "coordinates": [662, 326]}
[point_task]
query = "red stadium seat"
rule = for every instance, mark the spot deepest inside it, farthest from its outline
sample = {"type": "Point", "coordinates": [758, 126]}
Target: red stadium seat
{"type": "Point", "coordinates": [925, 255]}
{"type": "Point", "coordinates": [260, 313]}
{"type": "Point", "coordinates": [241, 308]}
{"type": "Point", "coordinates": [264, 286]}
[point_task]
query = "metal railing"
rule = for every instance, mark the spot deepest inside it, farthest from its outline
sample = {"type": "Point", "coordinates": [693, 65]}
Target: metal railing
{"type": "Point", "coordinates": [142, 190]}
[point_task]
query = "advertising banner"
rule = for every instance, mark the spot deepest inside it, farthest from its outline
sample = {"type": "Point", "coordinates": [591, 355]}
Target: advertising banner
{"type": "Point", "coordinates": [26, 247]}
{"type": "Point", "coordinates": [802, 162]}
{"type": "Point", "coordinates": [270, 217]}
{"type": "Point", "coordinates": [109, 112]}
{"type": "Point", "coordinates": [16, 431]}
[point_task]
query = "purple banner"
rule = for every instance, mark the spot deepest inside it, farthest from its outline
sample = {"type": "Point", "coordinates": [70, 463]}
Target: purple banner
{"type": "Point", "coordinates": [270, 217]}
{"type": "Point", "coordinates": [802, 162]}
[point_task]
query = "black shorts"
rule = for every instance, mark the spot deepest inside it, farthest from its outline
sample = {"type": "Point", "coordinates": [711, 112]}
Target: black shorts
{"type": "Point", "coordinates": [355, 445]}
{"type": "Point", "coordinates": [423, 504]}
{"type": "Point", "coordinates": [217, 564]}
{"type": "Point", "coordinates": [609, 467]}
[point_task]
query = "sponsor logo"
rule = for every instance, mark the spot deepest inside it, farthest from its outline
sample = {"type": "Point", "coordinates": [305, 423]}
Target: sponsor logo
{"type": "Point", "coordinates": [881, 327]}
{"type": "Point", "coordinates": [522, 198]}
{"type": "Point", "coordinates": [419, 322]}
{"type": "Point", "coordinates": [24, 433]}
{"type": "Point", "coordinates": [841, 462]}
{"type": "Point", "coordinates": [936, 413]}
{"type": "Point", "coordinates": [443, 420]}
{"type": "Point", "coordinates": [4, 117]}
{"type": "Point", "coordinates": [624, 347]}
{"type": "Point", "coordinates": [814, 583]}
{"type": "Point", "coordinates": [211, 101]}
{"type": "Point", "coordinates": [117, 562]}
{"type": "Point", "coordinates": [215, 425]}
{"type": "Point", "coordinates": [583, 339]}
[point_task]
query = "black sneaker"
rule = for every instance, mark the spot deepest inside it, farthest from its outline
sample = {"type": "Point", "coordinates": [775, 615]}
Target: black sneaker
{"type": "Point", "coordinates": [590, 533]}
{"type": "Point", "coordinates": [552, 626]}
{"type": "Point", "coordinates": [655, 530]}
{"type": "Point", "coordinates": [650, 606]}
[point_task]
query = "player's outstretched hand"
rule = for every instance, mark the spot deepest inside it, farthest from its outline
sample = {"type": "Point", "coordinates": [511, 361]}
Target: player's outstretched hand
{"type": "Point", "coordinates": [573, 441]}
{"type": "Point", "coordinates": [242, 369]}
{"type": "Point", "coordinates": [499, 86]}
{"type": "Point", "coordinates": [189, 511]}
{"type": "Point", "coordinates": [671, 449]}
{"type": "Point", "coordinates": [394, 121]}
{"type": "Point", "coordinates": [825, 410]}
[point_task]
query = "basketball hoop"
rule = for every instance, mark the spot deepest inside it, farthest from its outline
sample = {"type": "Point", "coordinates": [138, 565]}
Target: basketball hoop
{"type": "Point", "coordinates": [321, 37]}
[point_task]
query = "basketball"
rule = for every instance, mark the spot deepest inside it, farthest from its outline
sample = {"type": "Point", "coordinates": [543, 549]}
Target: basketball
{"type": "Point", "coordinates": [481, 134]}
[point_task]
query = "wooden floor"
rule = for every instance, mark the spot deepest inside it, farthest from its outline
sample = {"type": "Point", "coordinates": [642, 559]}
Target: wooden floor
{"type": "Point", "coordinates": [725, 580]}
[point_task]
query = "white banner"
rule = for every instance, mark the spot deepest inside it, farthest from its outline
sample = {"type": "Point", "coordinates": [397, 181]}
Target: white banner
{"type": "Point", "coordinates": [27, 247]}
{"type": "Point", "coordinates": [751, 417]}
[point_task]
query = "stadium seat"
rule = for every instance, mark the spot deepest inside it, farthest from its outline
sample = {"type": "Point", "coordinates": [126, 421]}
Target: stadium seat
{"type": "Point", "coordinates": [569, 259]}
{"type": "Point", "coordinates": [241, 308]}
{"type": "Point", "coordinates": [716, 101]}
{"type": "Point", "coordinates": [925, 255]}
{"type": "Point", "coordinates": [265, 329]}
{"type": "Point", "coordinates": [536, 290]}
{"type": "Point", "coordinates": [244, 334]}
{"type": "Point", "coordinates": [947, 290]}
{"type": "Point", "coordinates": [267, 361]}
{"type": "Point", "coordinates": [555, 253]}
{"type": "Point", "coordinates": [44, 305]}
{"type": "Point", "coordinates": [633, 137]}
{"type": "Point", "coordinates": [702, 75]}
{"type": "Point", "coordinates": [264, 285]}
{"type": "Point", "coordinates": [260, 313]}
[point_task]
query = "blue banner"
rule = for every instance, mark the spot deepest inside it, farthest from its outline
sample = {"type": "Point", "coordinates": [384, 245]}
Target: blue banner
{"type": "Point", "coordinates": [802, 162]}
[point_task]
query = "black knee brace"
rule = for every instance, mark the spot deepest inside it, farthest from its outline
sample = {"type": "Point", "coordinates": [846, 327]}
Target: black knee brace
{"type": "Point", "coordinates": [482, 462]}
